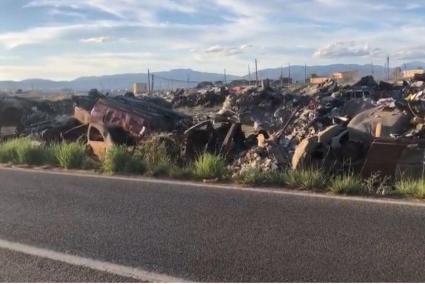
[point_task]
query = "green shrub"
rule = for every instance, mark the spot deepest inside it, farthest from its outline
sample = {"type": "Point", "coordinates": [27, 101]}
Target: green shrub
{"type": "Point", "coordinates": [181, 172]}
{"type": "Point", "coordinates": [306, 178]}
{"type": "Point", "coordinates": [90, 164]}
{"type": "Point", "coordinates": [411, 187]}
{"type": "Point", "coordinates": [209, 166]}
{"type": "Point", "coordinates": [378, 184]}
{"type": "Point", "coordinates": [23, 151]}
{"type": "Point", "coordinates": [119, 160]}
{"type": "Point", "coordinates": [161, 170]}
{"type": "Point", "coordinates": [160, 150]}
{"type": "Point", "coordinates": [348, 184]}
{"type": "Point", "coordinates": [135, 165]}
{"type": "Point", "coordinates": [69, 155]}
{"type": "Point", "coordinates": [255, 176]}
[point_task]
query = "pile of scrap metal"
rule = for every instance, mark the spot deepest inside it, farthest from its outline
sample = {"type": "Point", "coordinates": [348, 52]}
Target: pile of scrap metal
{"type": "Point", "coordinates": [366, 127]}
{"type": "Point", "coordinates": [384, 136]}
{"type": "Point", "coordinates": [206, 97]}
{"type": "Point", "coordinates": [126, 120]}
{"type": "Point", "coordinates": [45, 119]}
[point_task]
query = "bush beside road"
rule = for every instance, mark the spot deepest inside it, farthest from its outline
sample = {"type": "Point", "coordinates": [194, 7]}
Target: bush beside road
{"type": "Point", "coordinates": [156, 162]}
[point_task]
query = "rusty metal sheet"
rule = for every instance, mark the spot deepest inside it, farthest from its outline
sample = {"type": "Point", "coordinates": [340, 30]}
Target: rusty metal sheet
{"type": "Point", "coordinates": [82, 115]}
{"type": "Point", "coordinates": [112, 115]}
{"type": "Point", "coordinates": [384, 155]}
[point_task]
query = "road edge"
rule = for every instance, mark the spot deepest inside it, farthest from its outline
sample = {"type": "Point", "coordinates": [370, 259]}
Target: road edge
{"type": "Point", "coordinates": [263, 190]}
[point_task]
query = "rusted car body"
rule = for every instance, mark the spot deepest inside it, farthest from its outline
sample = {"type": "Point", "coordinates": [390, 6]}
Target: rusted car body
{"type": "Point", "coordinates": [123, 120]}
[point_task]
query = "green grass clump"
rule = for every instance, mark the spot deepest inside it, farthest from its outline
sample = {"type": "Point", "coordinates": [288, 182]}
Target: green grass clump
{"type": "Point", "coordinates": [306, 178]}
{"type": "Point", "coordinates": [181, 172]}
{"type": "Point", "coordinates": [255, 176]}
{"type": "Point", "coordinates": [161, 170]}
{"type": "Point", "coordinates": [348, 184]}
{"type": "Point", "coordinates": [119, 160]}
{"type": "Point", "coordinates": [69, 155]}
{"type": "Point", "coordinates": [411, 187]}
{"type": "Point", "coordinates": [23, 151]}
{"type": "Point", "coordinates": [159, 151]}
{"type": "Point", "coordinates": [209, 166]}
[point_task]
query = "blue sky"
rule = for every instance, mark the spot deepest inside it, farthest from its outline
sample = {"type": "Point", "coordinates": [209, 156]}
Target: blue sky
{"type": "Point", "coordinates": [65, 39]}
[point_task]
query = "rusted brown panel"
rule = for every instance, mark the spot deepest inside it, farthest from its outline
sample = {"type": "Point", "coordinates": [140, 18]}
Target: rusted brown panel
{"type": "Point", "coordinates": [99, 140]}
{"type": "Point", "coordinates": [82, 115]}
{"type": "Point", "coordinates": [115, 116]}
{"type": "Point", "coordinates": [383, 156]}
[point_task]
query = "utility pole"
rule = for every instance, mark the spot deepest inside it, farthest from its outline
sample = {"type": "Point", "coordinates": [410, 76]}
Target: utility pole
{"type": "Point", "coordinates": [281, 77]}
{"type": "Point", "coordinates": [149, 81]}
{"type": "Point", "coordinates": [388, 68]}
{"type": "Point", "coordinates": [289, 74]}
{"type": "Point", "coordinates": [256, 71]}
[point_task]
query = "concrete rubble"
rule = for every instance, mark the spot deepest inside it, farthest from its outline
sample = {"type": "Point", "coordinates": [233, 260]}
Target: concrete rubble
{"type": "Point", "coordinates": [339, 127]}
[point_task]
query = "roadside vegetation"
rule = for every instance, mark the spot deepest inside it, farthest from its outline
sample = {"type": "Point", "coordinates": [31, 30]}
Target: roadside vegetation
{"type": "Point", "coordinates": [410, 187]}
{"type": "Point", "coordinates": [310, 178]}
{"type": "Point", "coordinates": [255, 176]}
{"type": "Point", "coordinates": [159, 159]}
{"type": "Point", "coordinates": [24, 151]}
{"type": "Point", "coordinates": [347, 184]}
{"type": "Point", "coordinates": [209, 166]}
{"type": "Point", "coordinates": [119, 160]}
{"type": "Point", "coordinates": [69, 155]}
{"type": "Point", "coordinates": [161, 155]}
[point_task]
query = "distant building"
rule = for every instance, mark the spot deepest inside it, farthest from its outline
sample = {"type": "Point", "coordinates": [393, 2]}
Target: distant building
{"type": "Point", "coordinates": [410, 74]}
{"type": "Point", "coordinates": [347, 76]}
{"type": "Point", "coordinates": [316, 80]}
{"type": "Point", "coordinates": [140, 88]}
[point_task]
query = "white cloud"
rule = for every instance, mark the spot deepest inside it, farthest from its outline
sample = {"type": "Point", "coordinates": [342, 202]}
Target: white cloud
{"type": "Point", "coordinates": [143, 11]}
{"type": "Point", "coordinates": [220, 51]}
{"type": "Point", "coordinates": [346, 49]}
{"type": "Point", "coordinates": [96, 40]}
{"type": "Point", "coordinates": [30, 36]}
{"type": "Point", "coordinates": [411, 53]}
{"type": "Point", "coordinates": [59, 12]}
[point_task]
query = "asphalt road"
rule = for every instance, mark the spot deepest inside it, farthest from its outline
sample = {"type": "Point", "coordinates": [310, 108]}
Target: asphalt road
{"type": "Point", "coordinates": [19, 267]}
{"type": "Point", "coordinates": [206, 234]}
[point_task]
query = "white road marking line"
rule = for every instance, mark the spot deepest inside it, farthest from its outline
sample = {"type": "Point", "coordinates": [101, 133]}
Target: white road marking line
{"type": "Point", "coordinates": [308, 194]}
{"type": "Point", "coordinates": [120, 270]}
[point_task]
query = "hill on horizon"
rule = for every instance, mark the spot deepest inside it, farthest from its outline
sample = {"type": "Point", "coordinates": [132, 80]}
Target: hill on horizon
{"type": "Point", "coordinates": [181, 78]}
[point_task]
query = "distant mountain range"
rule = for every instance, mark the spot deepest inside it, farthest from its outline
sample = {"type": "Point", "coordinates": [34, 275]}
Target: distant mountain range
{"type": "Point", "coordinates": [179, 78]}
{"type": "Point", "coordinates": [299, 72]}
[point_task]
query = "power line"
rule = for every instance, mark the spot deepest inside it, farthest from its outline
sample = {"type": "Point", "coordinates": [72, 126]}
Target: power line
{"type": "Point", "coordinates": [177, 80]}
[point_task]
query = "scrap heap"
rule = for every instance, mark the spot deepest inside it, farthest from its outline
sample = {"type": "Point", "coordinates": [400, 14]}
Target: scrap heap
{"type": "Point", "coordinates": [367, 126]}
